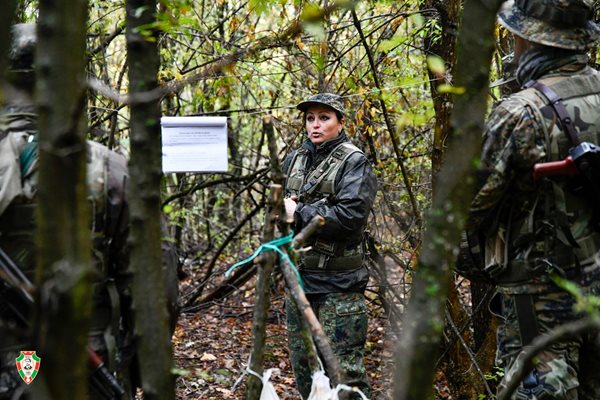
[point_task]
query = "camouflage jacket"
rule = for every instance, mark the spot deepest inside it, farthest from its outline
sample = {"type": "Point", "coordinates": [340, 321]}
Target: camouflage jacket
{"type": "Point", "coordinates": [529, 229]}
{"type": "Point", "coordinates": [346, 213]}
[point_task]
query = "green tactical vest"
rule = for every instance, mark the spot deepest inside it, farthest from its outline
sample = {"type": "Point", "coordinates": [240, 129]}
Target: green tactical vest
{"type": "Point", "coordinates": [319, 183]}
{"type": "Point", "coordinates": [315, 185]}
{"type": "Point", "coordinates": [551, 232]}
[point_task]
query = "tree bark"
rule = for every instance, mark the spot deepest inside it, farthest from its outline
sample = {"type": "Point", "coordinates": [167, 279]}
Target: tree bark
{"type": "Point", "coordinates": [261, 308]}
{"type": "Point", "coordinates": [448, 14]}
{"type": "Point", "coordinates": [63, 239]}
{"type": "Point", "coordinates": [7, 15]}
{"type": "Point", "coordinates": [424, 319]}
{"type": "Point", "coordinates": [150, 304]}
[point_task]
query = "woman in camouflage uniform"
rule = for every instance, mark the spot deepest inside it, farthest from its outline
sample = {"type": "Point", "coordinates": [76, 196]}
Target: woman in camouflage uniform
{"type": "Point", "coordinates": [330, 177]}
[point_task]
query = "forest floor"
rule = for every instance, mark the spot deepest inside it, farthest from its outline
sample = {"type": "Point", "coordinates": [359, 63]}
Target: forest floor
{"type": "Point", "coordinates": [212, 347]}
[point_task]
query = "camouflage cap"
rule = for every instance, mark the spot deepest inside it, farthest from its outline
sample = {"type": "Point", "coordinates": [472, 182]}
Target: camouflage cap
{"type": "Point", "coordinates": [565, 24]}
{"type": "Point", "coordinates": [325, 99]}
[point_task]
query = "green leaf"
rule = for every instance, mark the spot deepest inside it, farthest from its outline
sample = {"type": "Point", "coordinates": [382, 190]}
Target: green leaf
{"type": "Point", "coordinates": [417, 20]}
{"type": "Point", "coordinates": [436, 65]}
{"type": "Point", "coordinates": [392, 43]}
{"type": "Point", "coordinates": [446, 88]}
{"type": "Point", "coordinates": [311, 13]}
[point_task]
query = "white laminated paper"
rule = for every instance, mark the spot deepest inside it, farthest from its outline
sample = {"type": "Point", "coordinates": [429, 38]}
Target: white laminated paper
{"type": "Point", "coordinates": [194, 144]}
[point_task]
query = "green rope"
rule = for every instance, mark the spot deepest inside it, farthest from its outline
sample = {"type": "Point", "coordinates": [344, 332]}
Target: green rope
{"type": "Point", "coordinates": [273, 245]}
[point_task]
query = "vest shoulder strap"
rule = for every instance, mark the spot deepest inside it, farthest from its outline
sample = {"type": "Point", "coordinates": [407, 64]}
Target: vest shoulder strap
{"type": "Point", "coordinates": [323, 177]}
{"type": "Point", "coordinates": [576, 86]}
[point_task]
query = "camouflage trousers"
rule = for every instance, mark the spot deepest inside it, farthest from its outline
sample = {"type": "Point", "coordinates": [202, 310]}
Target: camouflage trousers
{"type": "Point", "coordinates": [569, 370]}
{"type": "Point", "coordinates": [344, 319]}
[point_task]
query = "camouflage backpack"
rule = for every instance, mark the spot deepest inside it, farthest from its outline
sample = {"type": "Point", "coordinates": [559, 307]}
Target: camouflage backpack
{"type": "Point", "coordinates": [556, 231]}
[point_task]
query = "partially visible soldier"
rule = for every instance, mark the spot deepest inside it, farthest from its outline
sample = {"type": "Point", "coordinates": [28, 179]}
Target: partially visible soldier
{"type": "Point", "coordinates": [111, 334]}
{"type": "Point", "coordinates": [530, 229]}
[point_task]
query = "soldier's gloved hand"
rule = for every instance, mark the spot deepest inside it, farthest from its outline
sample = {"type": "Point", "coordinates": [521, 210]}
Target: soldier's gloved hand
{"type": "Point", "coordinates": [290, 204]}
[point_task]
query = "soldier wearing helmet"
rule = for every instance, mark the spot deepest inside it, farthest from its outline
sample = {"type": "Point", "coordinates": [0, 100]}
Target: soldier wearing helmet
{"type": "Point", "coordinates": [539, 231]}
{"type": "Point", "coordinates": [331, 177]}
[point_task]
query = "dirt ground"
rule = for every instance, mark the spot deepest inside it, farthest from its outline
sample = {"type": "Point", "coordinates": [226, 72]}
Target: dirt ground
{"type": "Point", "coordinates": [212, 349]}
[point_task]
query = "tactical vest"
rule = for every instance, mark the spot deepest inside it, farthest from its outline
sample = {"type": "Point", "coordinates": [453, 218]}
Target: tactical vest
{"type": "Point", "coordinates": [550, 232]}
{"type": "Point", "coordinates": [317, 184]}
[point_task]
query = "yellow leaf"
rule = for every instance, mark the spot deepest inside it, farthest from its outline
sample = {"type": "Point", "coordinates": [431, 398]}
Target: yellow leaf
{"type": "Point", "coordinates": [446, 88]}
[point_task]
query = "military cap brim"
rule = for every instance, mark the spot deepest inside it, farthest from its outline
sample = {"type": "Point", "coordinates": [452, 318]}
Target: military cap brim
{"type": "Point", "coordinates": [538, 31]}
{"type": "Point", "coordinates": [323, 99]}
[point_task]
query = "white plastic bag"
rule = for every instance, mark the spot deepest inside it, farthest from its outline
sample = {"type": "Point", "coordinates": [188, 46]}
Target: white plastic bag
{"type": "Point", "coordinates": [268, 391]}
{"type": "Point", "coordinates": [320, 388]}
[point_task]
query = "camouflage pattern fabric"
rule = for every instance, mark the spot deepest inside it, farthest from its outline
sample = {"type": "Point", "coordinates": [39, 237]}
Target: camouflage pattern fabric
{"type": "Point", "coordinates": [567, 370]}
{"type": "Point", "coordinates": [344, 319]}
{"type": "Point", "coordinates": [325, 99]}
{"type": "Point", "coordinates": [565, 24]}
{"type": "Point", "coordinates": [524, 224]}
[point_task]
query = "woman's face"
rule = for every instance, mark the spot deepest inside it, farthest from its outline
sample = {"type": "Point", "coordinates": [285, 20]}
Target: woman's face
{"type": "Point", "coordinates": [322, 124]}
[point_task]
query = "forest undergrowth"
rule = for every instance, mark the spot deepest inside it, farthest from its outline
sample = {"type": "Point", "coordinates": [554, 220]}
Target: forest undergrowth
{"type": "Point", "coordinates": [212, 346]}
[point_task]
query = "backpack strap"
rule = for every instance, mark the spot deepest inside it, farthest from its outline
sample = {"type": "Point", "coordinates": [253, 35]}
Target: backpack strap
{"type": "Point", "coordinates": [555, 101]}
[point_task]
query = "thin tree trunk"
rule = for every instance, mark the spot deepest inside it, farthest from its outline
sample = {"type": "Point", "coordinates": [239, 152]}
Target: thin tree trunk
{"type": "Point", "coordinates": [261, 308]}
{"type": "Point", "coordinates": [424, 319]}
{"type": "Point", "coordinates": [463, 379]}
{"type": "Point", "coordinates": [388, 121]}
{"type": "Point", "coordinates": [150, 304]}
{"type": "Point", "coordinates": [63, 238]}
{"type": "Point", "coordinates": [448, 14]}
{"type": "Point", "coordinates": [7, 15]}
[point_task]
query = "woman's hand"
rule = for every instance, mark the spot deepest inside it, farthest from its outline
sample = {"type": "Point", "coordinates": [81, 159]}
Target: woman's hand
{"type": "Point", "coordinates": [290, 204]}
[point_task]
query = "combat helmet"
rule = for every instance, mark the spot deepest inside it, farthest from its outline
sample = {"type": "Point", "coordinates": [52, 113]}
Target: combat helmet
{"type": "Point", "coordinates": [324, 99]}
{"type": "Point", "coordinates": [566, 24]}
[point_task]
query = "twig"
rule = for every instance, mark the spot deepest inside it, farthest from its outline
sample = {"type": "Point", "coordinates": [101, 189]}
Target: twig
{"type": "Point", "coordinates": [297, 293]}
{"type": "Point", "coordinates": [558, 334]}
{"type": "Point", "coordinates": [197, 292]}
{"type": "Point", "coordinates": [388, 121]}
{"type": "Point", "coordinates": [469, 352]}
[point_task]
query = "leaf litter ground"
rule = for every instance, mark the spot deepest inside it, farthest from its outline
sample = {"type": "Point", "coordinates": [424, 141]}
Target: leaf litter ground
{"type": "Point", "coordinates": [212, 347]}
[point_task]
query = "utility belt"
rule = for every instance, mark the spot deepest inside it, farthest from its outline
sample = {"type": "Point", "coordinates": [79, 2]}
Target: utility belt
{"type": "Point", "coordinates": [333, 257]}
